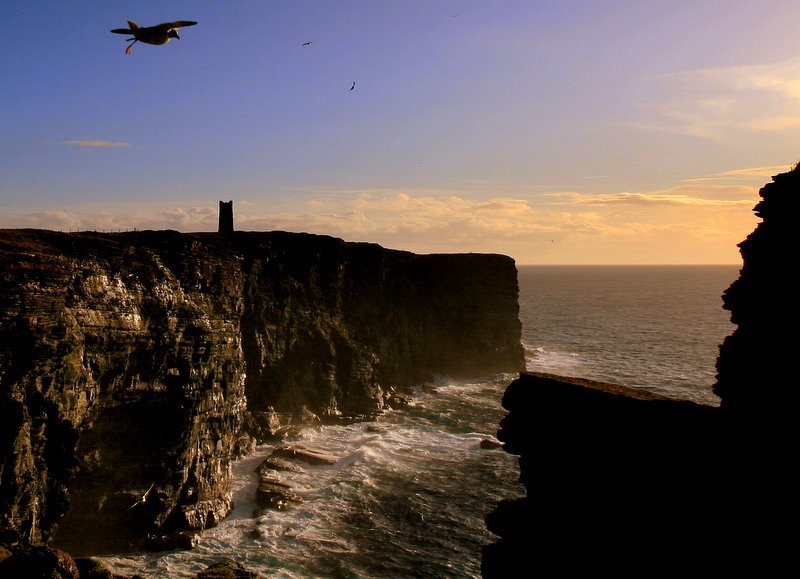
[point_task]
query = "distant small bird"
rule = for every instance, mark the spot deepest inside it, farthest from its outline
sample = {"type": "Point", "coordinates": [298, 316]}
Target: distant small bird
{"type": "Point", "coordinates": [158, 34]}
{"type": "Point", "coordinates": [354, 85]}
{"type": "Point", "coordinates": [309, 43]}
{"type": "Point", "coordinates": [142, 500]}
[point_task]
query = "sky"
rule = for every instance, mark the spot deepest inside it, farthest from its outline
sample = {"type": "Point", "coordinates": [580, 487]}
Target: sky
{"type": "Point", "coordinates": [555, 132]}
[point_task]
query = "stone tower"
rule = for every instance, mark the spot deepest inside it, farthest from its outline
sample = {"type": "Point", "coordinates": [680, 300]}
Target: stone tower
{"type": "Point", "coordinates": [226, 217]}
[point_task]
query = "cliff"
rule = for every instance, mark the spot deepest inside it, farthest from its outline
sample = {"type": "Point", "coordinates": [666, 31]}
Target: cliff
{"type": "Point", "coordinates": [132, 363]}
{"type": "Point", "coordinates": [614, 479]}
{"type": "Point", "coordinates": [755, 368]}
{"type": "Point", "coordinates": [623, 481]}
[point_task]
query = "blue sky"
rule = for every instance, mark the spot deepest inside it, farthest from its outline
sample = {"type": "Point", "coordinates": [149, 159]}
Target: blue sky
{"type": "Point", "coordinates": [554, 132]}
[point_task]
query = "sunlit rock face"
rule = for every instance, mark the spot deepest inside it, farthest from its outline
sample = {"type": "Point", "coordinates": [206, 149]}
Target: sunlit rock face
{"type": "Point", "coordinates": [121, 362]}
{"type": "Point", "coordinates": [756, 371]}
{"type": "Point", "coordinates": [129, 363]}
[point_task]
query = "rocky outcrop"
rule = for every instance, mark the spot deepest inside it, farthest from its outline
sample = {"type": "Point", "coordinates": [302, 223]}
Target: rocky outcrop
{"type": "Point", "coordinates": [40, 562]}
{"type": "Point", "coordinates": [622, 481]}
{"type": "Point", "coordinates": [755, 368]}
{"type": "Point", "coordinates": [128, 363]}
{"type": "Point", "coordinates": [610, 476]}
{"type": "Point", "coordinates": [34, 562]}
{"type": "Point", "coordinates": [227, 569]}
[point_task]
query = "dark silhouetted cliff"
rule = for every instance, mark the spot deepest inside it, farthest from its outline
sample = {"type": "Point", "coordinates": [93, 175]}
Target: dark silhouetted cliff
{"type": "Point", "coordinates": [613, 479]}
{"type": "Point", "coordinates": [134, 361]}
{"type": "Point", "coordinates": [621, 481]}
{"type": "Point", "coordinates": [756, 378]}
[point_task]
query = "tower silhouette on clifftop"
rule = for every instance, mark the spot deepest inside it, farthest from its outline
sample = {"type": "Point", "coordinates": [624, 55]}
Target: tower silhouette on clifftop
{"type": "Point", "coordinates": [226, 217]}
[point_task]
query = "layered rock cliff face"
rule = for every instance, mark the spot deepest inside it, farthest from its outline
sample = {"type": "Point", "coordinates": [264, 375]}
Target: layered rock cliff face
{"type": "Point", "coordinates": [129, 363]}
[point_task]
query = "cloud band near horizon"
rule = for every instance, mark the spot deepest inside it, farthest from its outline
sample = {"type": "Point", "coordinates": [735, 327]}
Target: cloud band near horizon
{"type": "Point", "coordinates": [668, 226]}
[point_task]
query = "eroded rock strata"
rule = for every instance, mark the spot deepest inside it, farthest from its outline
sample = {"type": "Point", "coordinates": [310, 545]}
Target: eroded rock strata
{"type": "Point", "coordinates": [131, 363]}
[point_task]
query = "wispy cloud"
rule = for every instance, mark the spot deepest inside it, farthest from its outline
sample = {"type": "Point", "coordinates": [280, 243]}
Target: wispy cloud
{"type": "Point", "coordinates": [691, 192]}
{"type": "Point", "coordinates": [710, 103]}
{"type": "Point", "coordinates": [651, 199]}
{"type": "Point", "coordinates": [744, 174]}
{"type": "Point", "coordinates": [773, 123]}
{"type": "Point", "coordinates": [95, 143]}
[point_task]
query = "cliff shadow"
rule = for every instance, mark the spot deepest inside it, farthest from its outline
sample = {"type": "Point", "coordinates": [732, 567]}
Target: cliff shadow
{"type": "Point", "coordinates": [130, 446]}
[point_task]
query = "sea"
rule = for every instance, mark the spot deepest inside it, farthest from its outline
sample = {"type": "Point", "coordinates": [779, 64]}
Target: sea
{"type": "Point", "coordinates": [410, 491]}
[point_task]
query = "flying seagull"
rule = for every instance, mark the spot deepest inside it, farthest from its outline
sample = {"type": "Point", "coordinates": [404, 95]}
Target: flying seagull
{"type": "Point", "coordinates": [142, 500]}
{"type": "Point", "coordinates": [158, 34]}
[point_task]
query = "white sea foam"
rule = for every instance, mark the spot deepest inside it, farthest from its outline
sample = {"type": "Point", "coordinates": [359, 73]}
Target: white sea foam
{"type": "Point", "coordinates": [541, 359]}
{"type": "Point", "coordinates": [397, 496]}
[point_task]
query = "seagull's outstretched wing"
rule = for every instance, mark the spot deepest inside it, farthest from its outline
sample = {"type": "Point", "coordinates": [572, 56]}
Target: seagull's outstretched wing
{"type": "Point", "coordinates": [174, 25]}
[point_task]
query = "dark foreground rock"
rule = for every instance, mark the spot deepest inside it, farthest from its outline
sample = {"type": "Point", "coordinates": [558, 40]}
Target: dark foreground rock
{"type": "Point", "coordinates": [756, 368]}
{"type": "Point", "coordinates": [35, 562]}
{"type": "Point", "coordinates": [39, 562]}
{"type": "Point", "coordinates": [620, 481]}
{"type": "Point", "coordinates": [227, 569]}
{"type": "Point", "coordinates": [92, 569]}
{"type": "Point", "coordinates": [129, 363]}
{"type": "Point", "coordinates": [610, 474]}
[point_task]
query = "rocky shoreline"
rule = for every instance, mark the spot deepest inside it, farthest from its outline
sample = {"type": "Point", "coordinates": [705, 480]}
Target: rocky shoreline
{"type": "Point", "coordinates": [272, 493]}
{"type": "Point", "coordinates": [136, 367]}
{"type": "Point", "coordinates": [287, 454]}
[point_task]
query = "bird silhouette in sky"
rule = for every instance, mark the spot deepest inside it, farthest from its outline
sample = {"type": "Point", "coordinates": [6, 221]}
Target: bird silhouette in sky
{"type": "Point", "coordinates": [158, 34]}
{"type": "Point", "coordinates": [309, 43]}
{"type": "Point", "coordinates": [142, 500]}
{"type": "Point", "coordinates": [354, 85]}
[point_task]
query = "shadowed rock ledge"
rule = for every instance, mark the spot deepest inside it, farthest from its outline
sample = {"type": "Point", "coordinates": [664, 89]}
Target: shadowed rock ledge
{"type": "Point", "coordinates": [134, 367]}
{"type": "Point", "coordinates": [610, 474]}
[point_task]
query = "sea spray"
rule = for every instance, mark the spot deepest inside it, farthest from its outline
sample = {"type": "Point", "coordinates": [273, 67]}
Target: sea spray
{"type": "Point", "coordinates": [408, 496]}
